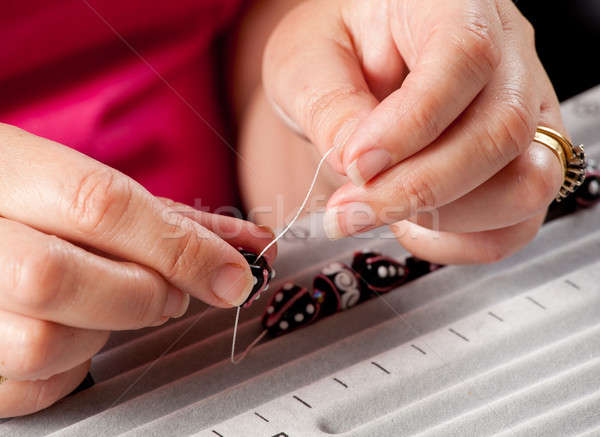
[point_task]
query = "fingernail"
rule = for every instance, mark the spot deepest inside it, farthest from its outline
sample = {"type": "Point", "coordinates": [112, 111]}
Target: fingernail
{"type": "Point", "coordinates": [232, 283]}
{"type": "Point", "coordinates": [177, 303]}
{"type": "Point", "coordinates": [331, 224]}
{"type": "Point", "coordinates": [268, 231]}
{"type": "Point", "coordinates": [368, 165]}
{"type": "Point", "coordinates": [160, 322]}
{"type": "Point", "coordinates": [348, 219]}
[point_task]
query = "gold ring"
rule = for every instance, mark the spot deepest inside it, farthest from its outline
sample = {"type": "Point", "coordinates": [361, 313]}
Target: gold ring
{"type": "Point", "coordinates": [571, 157]}
{"type": "Point", "coordinates": [2, 379]}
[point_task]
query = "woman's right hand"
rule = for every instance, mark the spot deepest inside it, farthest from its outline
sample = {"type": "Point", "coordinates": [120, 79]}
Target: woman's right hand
{"type": "Point", "coordinates": [85, 251]}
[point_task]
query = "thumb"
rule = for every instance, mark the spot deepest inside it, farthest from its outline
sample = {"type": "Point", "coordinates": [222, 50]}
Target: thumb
{"type": "Point", "coordinates": [314, 79]}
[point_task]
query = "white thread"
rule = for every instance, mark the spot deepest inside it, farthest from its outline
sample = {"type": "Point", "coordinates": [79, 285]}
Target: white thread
{"type": "Point", "coordinates": [302, 206]}
{"type": "Point", "coordinates": [275, 240]}
{"type": "Point", "coordinates": [249, 348]}
{"type": "Point", "coordinates": [235, 327]}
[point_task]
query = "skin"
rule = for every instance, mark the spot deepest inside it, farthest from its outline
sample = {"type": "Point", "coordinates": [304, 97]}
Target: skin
{"type": "Point", "coordinates": [451, 91]}
{"type": "Point", "coordinates": [74, 265]}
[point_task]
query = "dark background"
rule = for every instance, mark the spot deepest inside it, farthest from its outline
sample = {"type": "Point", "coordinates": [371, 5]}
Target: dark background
{"type": "Point", "coordinates": [568, 41]}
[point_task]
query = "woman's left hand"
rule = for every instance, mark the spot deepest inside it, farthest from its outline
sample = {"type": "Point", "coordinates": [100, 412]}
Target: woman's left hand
{"type": "Point", "coordinates": [433, 107]}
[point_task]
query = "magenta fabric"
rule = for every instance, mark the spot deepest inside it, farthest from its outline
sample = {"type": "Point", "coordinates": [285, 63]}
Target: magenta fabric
{"type": "Point", "coordinates": [66, 76]}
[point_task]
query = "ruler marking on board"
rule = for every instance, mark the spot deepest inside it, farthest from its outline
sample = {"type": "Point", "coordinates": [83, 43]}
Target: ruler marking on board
{"type": "Point", "coordinates": [458, 334]}
{"type": "Point", "coordinates": [535, 302]}
{"type": "Point", "coordinates": [496, 316]}
{"type": "Point", "coordinates": [380, 367]}
{"type": "Point", "coordinates": [340, 382]}
{"type": "Point", "coordinates": [302, 401]}
{"type": "Point", "coordinates": [414, 346]}
{"type": "Point", "coordinates": [262, 417]}
{"type": "Point", "coordinates": [572, 284]}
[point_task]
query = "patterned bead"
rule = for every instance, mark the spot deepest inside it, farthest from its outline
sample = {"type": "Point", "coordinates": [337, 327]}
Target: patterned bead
{"type": "Point", "coordinates": [262, 274]}
{"type": "Point", "coordinates": [337, 288]}
{"type": "Point", "coordinates": [290, 308]}
{"type": "Point", "coordinates": [380, 273]}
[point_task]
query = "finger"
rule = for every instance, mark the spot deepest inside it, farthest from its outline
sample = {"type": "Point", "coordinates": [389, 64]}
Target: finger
{"type": "Point", "coordinates": [35, 349]}
{"type": "Point", "coordinates": [95, 205]}
{"type": "Point", "coordinates": [47, 278]}
{"type": "Point", "coordinates": [522, 189]}
{"type": "Point", "coordinates": [469, 248]}
{"type": "Point", "coordinates": [237, 232]}
{"type": "Point", "coordinates": [383, 66]}
{"type": "Point", "coordinates": [452, 51]}
{"type": "Point", "coordinates": [19, 398]}
{"type": "Point", "coordinates": [324, 103]}
{"type": "Point", "coordinates": [494, 130]}
{"type": "Point", "coordinates": [430, 186]}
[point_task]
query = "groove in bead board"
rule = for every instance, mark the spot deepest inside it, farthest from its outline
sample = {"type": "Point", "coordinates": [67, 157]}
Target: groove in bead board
{"type": "Point", "coordinates": [398, 397]}
{"type": "Point", "coordinates": [473, 350]}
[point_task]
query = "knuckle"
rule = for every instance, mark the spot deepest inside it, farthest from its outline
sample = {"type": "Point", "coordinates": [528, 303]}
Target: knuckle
{"type": "Point", "coordinates": [187, 254]}
{"type": "Point", "coordinates": [147, 312]}
{"type": "Point", "coordinates": [100, 200]}
{"type": "Point", "coordinates": [423, 121]}
{"type": "Point", "coordinates": [512, 131]}
{"type": "Point", "coordinates": [519, 25]}
{"type": "Point", "coordinates": [529, 31]}
{"type": "Point", "coordinates": [37, 278]}
{"type": "Point", "coordinates": [477, 45]}
{"type": "Point", "coordinates": [146, 302]}
{"type": "Point", "coordinates": [420, 192]}
{"type": "Point", "coordinates": [518, 121]}
{"type": "Point", "coordinates": [320, 112]}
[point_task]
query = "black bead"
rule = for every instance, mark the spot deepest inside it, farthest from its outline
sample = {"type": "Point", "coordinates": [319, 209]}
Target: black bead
{"type": "Point", "coordinates": [418, 267]}
{"type": "Point", "coordinates": [262, 273]}
{"type": "Point", "coordinates": [380, 273]}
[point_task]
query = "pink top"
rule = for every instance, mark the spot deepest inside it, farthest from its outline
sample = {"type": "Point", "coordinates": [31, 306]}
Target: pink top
{"type": "Point", "coordinates": [66, 76]}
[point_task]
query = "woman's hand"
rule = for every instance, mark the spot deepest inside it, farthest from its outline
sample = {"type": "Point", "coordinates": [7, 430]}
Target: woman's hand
{"type": "Point", "coordinates": [86, 250]}
{"type": "Point", "coordinates": [432, 106]}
